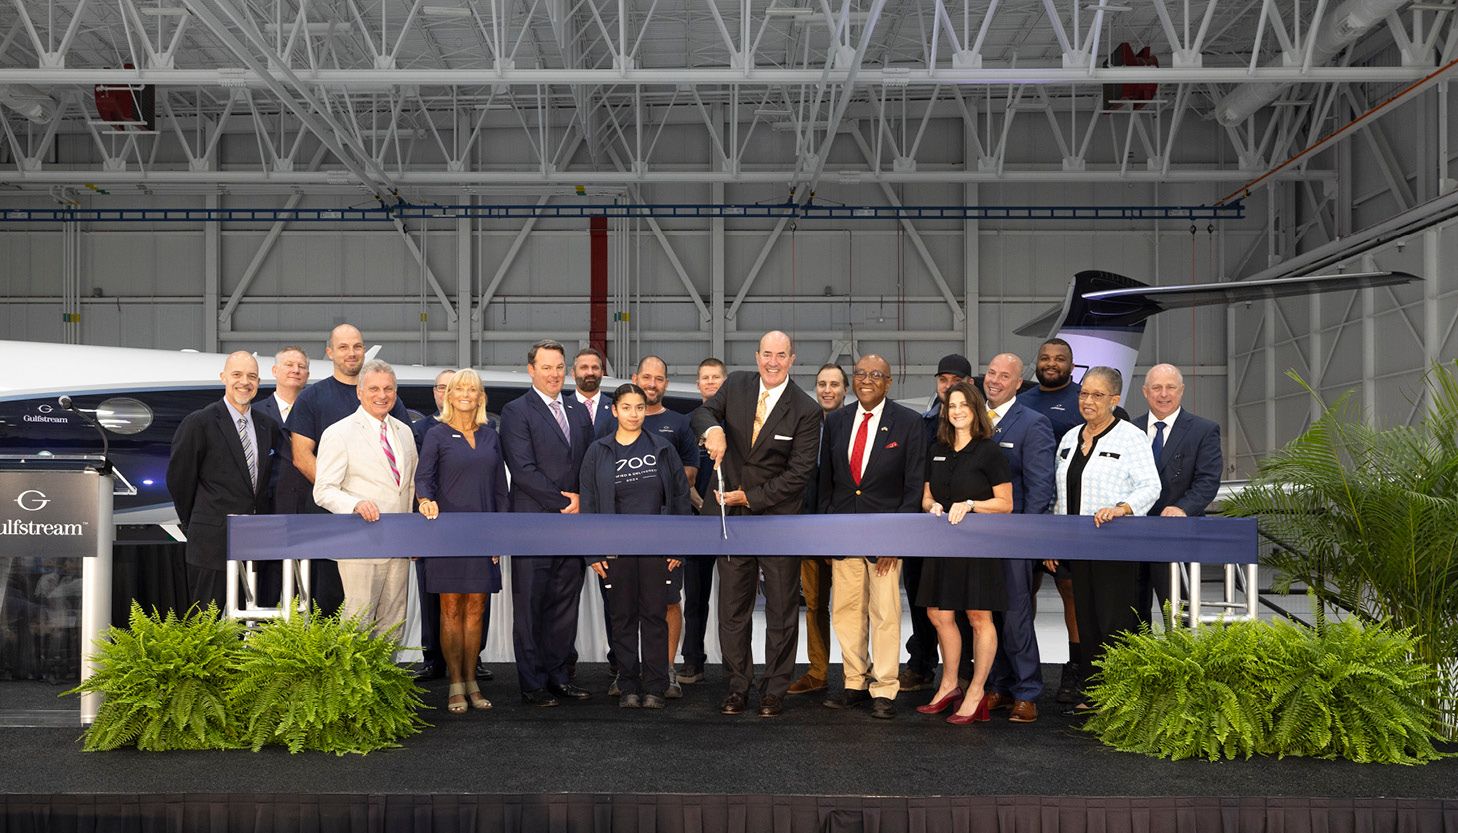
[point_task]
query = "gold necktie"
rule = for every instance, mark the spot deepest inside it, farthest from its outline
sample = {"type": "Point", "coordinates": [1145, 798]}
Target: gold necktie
{"type": "Point", "coordinates": [759, 415]}
{"type": "Point", "coordinates": [991, 415]}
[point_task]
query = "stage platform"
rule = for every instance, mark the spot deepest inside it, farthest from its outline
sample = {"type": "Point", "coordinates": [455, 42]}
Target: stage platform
{"type": "Point", "coordinates": [594, 767]}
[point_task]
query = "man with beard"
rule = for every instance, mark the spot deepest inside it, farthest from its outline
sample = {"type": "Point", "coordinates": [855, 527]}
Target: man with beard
{"type": "Point", "coordinates": [698, 573]}
{"type": "Point", "coordinates": [587, 369]}
{"type": "Point", "coordinates": [321, 405]}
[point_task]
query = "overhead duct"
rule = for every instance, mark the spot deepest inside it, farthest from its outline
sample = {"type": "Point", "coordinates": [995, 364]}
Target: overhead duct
{"type": "Point", "coordinates": [1339, 29]}
{"type": "Point", "coordinates": [29, 102]}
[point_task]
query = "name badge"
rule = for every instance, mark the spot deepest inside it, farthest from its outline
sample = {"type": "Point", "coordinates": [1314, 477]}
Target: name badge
{"type": "Point", "coordinates": [783, 437]}
{"type": "Point", "coordinates": [1112, 455]}
{"type": "Point", "coordinates": [1007, 445]}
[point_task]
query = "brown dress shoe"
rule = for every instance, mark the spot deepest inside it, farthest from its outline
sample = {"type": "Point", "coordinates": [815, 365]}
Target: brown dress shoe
{"type": "Point", "coordinates": [808, 684]}
{"type": "Point", "coordinates": [771, 706]}
{"type": "Point", "coordinates": [909, 680]}
{"type": "Point", "coordinates": [1024, 711]}
{"type": "Point", "coordinates": [997, 702]}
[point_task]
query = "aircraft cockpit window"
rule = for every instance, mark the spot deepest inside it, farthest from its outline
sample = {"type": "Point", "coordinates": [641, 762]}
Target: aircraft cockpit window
{"type": "Point", "coordinates": [124, 415]}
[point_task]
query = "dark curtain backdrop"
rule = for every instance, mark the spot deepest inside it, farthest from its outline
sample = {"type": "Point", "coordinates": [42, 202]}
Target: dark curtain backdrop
{"type": "Point", "coordinates": [715, 814]}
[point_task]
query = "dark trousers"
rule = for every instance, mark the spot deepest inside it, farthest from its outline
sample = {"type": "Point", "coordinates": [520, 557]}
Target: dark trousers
{"type": "Point", "coordinates": [698, 583]}
{"type": "Point", "coordinates": [1016, 670]}
{"type": "Point", "coordinates": [430, 623]}
{"type": "Point", "coordinates": [1107, 597]}
{"type": "Point", "coordinates": [208, 585]}
{"type": "Point", "coordinates": [738, 580]}
{"type": "Point", "coordinates": [639, 633]}
{"type": "Point", "coordinates": [1157, 575]}
{"type": "Point", "coordinates": [607, 625]}
{"type": "Point", "coordinates": [922, 644]}
{"type": "Point", "coordinates": [544, 596]}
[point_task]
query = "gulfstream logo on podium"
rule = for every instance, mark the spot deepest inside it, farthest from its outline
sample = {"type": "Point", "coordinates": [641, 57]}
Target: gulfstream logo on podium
{"type": "Point", "coordinates": [48, 514]}
{"type": "Point", "coordinates": [14, 527]}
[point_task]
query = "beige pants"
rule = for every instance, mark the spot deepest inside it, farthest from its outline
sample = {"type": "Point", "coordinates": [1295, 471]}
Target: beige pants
{"type": "Point", "coordinates": [815, 586]}
{"type": "Point", "coordinates": [865, 611]}
{"type": "Point", "coordinates": [375, 588]}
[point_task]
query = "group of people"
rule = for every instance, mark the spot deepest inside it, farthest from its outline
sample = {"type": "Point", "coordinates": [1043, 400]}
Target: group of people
{"type": "Point", "coordinates": [986, 446]}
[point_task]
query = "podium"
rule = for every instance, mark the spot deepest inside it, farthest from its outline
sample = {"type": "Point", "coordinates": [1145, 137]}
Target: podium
{"type": "Point", "coordinates": [55, 508]}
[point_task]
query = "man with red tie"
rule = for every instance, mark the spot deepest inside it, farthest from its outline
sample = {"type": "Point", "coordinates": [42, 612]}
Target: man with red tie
{"type": "Point", "coordinates": [873, 459]}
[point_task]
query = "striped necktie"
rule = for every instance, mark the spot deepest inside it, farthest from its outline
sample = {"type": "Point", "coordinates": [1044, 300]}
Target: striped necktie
{"type": "Point", "coordinates": [389, 453]}
{"type": "Point", "coordinates": [561, 421]}
{"type": "Point", "coordinates": [249, 455]}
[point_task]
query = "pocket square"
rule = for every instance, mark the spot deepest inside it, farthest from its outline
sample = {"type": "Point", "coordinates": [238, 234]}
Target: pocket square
{"type": "Point", "coordinates": [783, 437]}
{"type": "Point", "coordinates": [892, 444]}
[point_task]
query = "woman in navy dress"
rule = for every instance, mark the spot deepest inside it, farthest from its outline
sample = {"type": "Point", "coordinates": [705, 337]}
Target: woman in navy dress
{"type": "Point", "coordinates": [461, 470]}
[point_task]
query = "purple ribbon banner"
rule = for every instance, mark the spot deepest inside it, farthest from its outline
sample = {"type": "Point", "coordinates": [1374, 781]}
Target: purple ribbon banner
{"type": "Point", "coordinates": [1065, 537]}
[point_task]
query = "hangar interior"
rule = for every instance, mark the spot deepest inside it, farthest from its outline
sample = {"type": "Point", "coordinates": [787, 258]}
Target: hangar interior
{"type": "Point", "coordinates": [1325, 121]}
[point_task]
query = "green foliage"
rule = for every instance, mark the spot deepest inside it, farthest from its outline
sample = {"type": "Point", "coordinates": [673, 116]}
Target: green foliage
{"type": "Point", "coordinates": [1268, 688]}
{"type": "Point", "coordinates": [164, 682]}
{"type": "Point", "coordinates": [322, 683]}
{"type": "Point", "coordinates": [1368, 518]}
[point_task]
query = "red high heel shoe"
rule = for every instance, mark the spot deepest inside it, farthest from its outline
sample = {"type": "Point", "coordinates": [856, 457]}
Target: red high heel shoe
{"type": "Point", "coordinates": [981, 714]}
{"type": "Point", "coordinates": [953, 700]}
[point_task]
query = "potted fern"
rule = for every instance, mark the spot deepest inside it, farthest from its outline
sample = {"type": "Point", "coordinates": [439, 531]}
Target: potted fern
{"type": "Point", "coordinates": [1368, 519]}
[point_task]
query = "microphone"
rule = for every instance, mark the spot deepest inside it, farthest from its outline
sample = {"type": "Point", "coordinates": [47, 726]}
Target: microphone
{"type": "Point", "coordinates": [67, 405]}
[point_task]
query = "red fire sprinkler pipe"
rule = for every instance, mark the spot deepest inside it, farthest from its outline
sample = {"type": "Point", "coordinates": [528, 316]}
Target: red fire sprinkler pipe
{"type": "Point", "coordinates": [597, 316]}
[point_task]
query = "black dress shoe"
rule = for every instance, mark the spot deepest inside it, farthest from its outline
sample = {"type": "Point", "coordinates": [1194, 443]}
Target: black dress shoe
{"type": "Point", "coordinates": [571, 691]}
{"type": "Point", "coordinates": [848, 699]}
{"type": "Point", "coordinates": [735, 703]}
{"type": "Point", "coordinates": [1068, 683]}
{"type": "Point", "coordinates": [882, 708]}
{"type": "Point", "coordinates": [631, 701]}
{"type": "Point", "coordinates": [771, 705]}
{"type": "Point", "coordinates": [483, 673]}
{"type": "Point", "coordinates": [426, 673]}
{"type": "Point", "coordinates": [654, 701]}
{"type": "Point", "coordinates": [538, 697]}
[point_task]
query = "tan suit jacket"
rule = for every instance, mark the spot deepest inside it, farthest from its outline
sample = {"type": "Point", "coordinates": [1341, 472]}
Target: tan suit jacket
{"type": "Point", "coordinates": [352, 465]}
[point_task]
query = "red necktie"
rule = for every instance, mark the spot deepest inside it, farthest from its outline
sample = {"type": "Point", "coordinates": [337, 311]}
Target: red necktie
{"type": "Point", "coordinates": [858, 449]}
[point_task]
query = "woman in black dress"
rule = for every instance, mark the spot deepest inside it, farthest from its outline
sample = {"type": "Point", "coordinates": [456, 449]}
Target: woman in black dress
{"type": "Point", "coordinates": [966, 473]}
{"type": "Point", "coordinates": [461, 470]}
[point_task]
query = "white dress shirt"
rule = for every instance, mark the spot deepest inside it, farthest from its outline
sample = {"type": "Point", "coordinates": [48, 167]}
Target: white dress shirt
{"type": "Point", "coordinates": [1168, 421]}
{"type": "Point", "coordinates": [774, 395]}
{"type": "Point", "coordinates": [590, 403]}
{"type": "Point", "coordinates": [1001, 411]}
{"type": "Point", "coordinates": [871, 427]}
{"type": "Point", "coordinates": [283, 407]}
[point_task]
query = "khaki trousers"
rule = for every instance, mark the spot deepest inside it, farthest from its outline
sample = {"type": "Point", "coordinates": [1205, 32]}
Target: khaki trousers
{"type": "Point", "coordinates": [374, 588]}
{"type": "Point", "coordinates": [815, 587]}
{"type": "Point", "coordinates": [865, 610]}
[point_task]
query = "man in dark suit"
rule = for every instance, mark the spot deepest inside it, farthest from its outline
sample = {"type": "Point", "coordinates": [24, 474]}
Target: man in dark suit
{"type": "Point", "coordinates": [587, 369]}
{"type": "Point", "coordinates": [221, 461]}
{"type": "Point", "coordinates": [872, 459]}
{"type": "Point", "coordinates": [763, 431]}
{"type": "Point", "coordinates": [1187, 452]}
{"type": "Point", "coordinates": [1026, 439]}
{"type": "Point", "coordinates": [287, 488]}
{"type": "Point", "coordinates": [544, 436]}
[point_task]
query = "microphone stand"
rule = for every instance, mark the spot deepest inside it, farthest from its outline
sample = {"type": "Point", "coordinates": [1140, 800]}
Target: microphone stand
{"type": "Point", "coordinates": [67, 405]}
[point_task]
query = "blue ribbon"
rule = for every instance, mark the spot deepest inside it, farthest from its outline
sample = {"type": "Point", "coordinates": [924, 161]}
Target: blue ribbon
{"type": "Point", "coordinates": [1065, 537]}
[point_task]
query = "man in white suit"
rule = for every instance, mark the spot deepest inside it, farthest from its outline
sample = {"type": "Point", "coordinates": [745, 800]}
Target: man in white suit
{"type": "Point", "coordinates": [366, 467]}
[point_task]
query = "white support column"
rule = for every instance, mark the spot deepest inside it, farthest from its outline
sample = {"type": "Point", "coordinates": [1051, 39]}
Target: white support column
{"type": "Point", "coordinates": [1432, 277]}
{"type": "Point", "coordinates": [1369, 342]}
{"type": "Point", "coordinates": [463, 286]}
{"type": "Point", "coordinates": [717, 320]}
{"type": "Point", "coordinates": [971, 251]}
{"type": "Point", "coordinates": [212, 275]}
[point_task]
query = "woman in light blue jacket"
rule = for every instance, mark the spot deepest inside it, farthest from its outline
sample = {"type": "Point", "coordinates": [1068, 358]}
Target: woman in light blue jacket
{"type": "Point", "coordinates": [1105, 469]}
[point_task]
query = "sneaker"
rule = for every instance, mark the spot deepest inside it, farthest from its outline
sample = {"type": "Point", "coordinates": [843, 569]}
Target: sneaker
{"type": "Point", "coordinates": [675, 691]}
{"type": "Point", "coordinates": [631, 701]}
{"type": "Point", "coordinates": [614, 690]}
{"type": "Point", "coordinates": [653, 701]}
{"type": "Point", "coordinates": [691, 674]}
{"type": "Point", "coordinates": [1068, 683]}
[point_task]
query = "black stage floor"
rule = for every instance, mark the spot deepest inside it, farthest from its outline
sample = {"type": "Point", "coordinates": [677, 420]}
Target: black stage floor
{"type": "Point", "coordinates": [589, 752]}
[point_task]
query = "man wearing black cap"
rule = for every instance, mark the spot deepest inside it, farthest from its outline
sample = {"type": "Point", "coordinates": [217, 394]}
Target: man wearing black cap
{"type": "Point", "coordinates": [922, 646]}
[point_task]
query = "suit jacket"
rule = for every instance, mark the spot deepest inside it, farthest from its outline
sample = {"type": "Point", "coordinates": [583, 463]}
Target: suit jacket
{"type": "Point", "coordinates": [895, 469]}
{"type": "Point", "coordinates": [1026, 439]}
{"type": "Point", "coordinates": [207, 476]}
{"type": "Point", "coordinates": [1190, 465]}
{"type": "Point", "coordinates": [542, 462]}
{"type": "Point", "coordinates": [774, 471]}
{"type": "Point", "coordinates": [603, 423]}
{"type": "Point", "coordinates": [352, 466]}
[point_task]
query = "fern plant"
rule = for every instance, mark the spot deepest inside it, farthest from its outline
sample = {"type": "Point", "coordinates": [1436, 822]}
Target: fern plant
{"type": "Point", "coordinates": [325, 684]}
{"type": "Point", "coordinates": [164, 682]}
{"type": "Point", "coordinates": [1267, 688]}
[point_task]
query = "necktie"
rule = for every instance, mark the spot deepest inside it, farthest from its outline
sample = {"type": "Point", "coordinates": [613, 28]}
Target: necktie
{"type": "Point", "coordinates": [1158, 440]}
{"type": "Point", "coordinates": [992, 417]}
{"type": "Point", "coordinates": [561, 421]}
{"type": "Point", "coordinates": [248, 454]}
{"type": "Point", "coordinates": [592, 410]}
{"type": "Point", "coordinates": [759, 415]}
{"type": "Point", "coordinates": [389, 453]}
{"type": "Point", "coordinates": [858, 449]}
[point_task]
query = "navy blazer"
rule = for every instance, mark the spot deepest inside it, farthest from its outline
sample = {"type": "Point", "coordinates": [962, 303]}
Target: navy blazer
{"type": "Point", "coordinates": [895, 471]}
{"type": "Point", "coordinates": [207, 476]}
{"type": "Point", "coordinates": [1026, 439]}
{"type": "Point", "coordinates": [1190, 465]}
{"type": "Point", "coordinates": [604, 421]}
{"type": "Point", "coordinates": [542, 462]}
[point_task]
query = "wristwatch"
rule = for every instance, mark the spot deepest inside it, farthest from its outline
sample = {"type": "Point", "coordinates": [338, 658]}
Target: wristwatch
{"type": "Point", "coordinates": [1126, 506]}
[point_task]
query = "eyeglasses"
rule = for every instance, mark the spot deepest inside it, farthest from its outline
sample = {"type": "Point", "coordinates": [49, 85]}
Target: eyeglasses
{"type": "Point", "coordinates": [440, 388]}
{"type": "Point", "coordinates": [1094, 395]}
{"type": "Point", "coordinates": [874, 375]}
